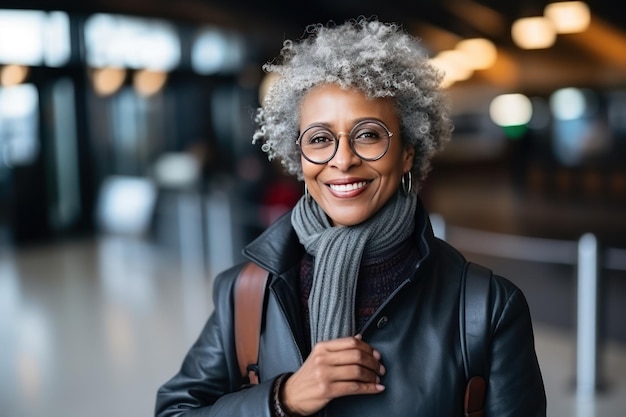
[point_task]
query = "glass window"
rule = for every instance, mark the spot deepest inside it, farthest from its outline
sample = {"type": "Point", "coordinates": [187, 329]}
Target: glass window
{"type": "Point", "coordinates": [31, 37]}
{"type": "Point", "coordinates": [128, 42]}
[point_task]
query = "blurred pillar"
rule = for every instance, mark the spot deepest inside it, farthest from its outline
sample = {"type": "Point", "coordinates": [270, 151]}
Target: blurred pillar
{"type": "Point", "coordinates": [587, 312]}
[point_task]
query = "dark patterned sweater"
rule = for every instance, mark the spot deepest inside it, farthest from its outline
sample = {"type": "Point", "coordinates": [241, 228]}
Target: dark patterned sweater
{"type": "Point", "coordinates": [378, 278]}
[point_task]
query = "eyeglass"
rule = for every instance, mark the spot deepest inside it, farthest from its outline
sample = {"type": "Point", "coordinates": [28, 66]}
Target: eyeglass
{"type": "Point", "coordinates": [369, 140]}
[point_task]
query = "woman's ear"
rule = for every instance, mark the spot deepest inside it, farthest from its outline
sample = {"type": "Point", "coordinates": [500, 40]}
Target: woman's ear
{"type": "Point", "coordinates": [407, 158]}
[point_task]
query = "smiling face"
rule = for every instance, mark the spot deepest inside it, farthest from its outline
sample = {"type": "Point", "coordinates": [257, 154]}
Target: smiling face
{"type": "Point", "coordinates": [349, 189]}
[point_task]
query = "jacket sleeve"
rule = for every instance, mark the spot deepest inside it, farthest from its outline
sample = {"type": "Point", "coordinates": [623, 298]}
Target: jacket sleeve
{"type": "Point", "coordinates": [208, 382]}
{"type": "Point", "coordinates": [515, 383]}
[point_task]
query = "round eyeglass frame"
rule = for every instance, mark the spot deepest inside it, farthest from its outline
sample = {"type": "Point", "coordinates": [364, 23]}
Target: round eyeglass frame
{"type": "Point", "coordinates": [350, 139]}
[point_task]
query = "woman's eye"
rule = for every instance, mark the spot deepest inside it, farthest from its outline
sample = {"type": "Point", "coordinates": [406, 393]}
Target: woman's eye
{"type": "Point", "coordinates": [367, 135]}
{"type": "Point", "coordinates": [321, 138]}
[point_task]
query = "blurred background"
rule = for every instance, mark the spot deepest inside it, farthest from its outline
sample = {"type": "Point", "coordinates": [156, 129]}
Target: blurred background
{"type": "Point", "coordinates": [128, 180]}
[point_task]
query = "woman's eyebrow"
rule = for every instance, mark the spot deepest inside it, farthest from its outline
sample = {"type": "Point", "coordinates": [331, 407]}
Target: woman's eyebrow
{"type": "Point", "coordinates": [328, 125]}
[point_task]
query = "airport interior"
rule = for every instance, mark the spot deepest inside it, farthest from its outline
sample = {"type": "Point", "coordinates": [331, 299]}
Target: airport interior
{"type": "Point", "coordinates": [128, 181]}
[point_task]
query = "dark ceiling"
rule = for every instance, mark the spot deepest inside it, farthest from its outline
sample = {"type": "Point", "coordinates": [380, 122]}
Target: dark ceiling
{"type": "Point", "coordinates": [595, 58]}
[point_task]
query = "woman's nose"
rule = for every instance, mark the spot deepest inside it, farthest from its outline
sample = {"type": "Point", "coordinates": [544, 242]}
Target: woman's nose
{"type": "Point", "coordinates": [345, 156]}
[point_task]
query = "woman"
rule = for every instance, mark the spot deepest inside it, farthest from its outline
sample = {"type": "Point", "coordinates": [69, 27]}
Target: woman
{"type": "Point", "coordinates": [362, 316]}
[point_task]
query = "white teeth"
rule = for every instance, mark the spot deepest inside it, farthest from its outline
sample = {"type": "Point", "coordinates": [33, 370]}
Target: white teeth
{"type": "Point", "coordinates": [347, 187]}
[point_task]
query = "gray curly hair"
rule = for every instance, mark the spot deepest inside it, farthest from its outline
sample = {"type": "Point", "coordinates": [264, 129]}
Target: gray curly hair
{"type": "Point", "coordinates": [381, 60]}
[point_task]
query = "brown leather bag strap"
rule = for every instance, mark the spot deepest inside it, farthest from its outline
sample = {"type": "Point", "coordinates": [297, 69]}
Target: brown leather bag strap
{"type": "Point", "coordinates": [475, 393]}
{"type": "Point", "coordinates": [249, 297]}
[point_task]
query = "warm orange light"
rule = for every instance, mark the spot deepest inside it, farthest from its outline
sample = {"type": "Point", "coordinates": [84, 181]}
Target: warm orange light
{"type": "Point", "coordinates": [533, 33]}
{"type": "Point", "coordinates": [446, 69]}
{"type": "Point", "coordinates": [455, 66]}
{"type": "Point", "coordinates": [107, 81]}
{"type": "Point", "coordinates": [148, 83]}
{"type": "Point", "coordinates": [568, 16]}
{"type": "Point", "coordinates": [12, 75]}
{"type": "Point", "coordinates": [481, 52]}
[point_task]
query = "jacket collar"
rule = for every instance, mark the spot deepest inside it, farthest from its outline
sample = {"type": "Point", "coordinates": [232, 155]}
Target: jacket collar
{"type": "Point", "coordinates": [278, 248]}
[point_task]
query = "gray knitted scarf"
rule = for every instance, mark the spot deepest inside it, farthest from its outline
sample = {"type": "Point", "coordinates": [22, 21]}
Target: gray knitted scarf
{"type": "Point", "coordinates": [338, 252]}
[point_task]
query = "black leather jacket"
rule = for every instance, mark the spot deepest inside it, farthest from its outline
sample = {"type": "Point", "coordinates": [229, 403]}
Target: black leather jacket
{"type": "Point", "coordinates": [416, 330]}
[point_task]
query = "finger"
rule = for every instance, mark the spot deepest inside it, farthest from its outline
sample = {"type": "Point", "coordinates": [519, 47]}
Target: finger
{"type": "Point", "coordinates": [347, 351]}
{"type": "Point", "coordinates": [376, 353]}
{"type": "Point", "coordinates": [365, 361]}
{"type": "Point", "coordinates": [356, 373]}
{"type": "Point", "coordinates": [346, 343]}
{"type": "Point", "coordinates": [343, 388]}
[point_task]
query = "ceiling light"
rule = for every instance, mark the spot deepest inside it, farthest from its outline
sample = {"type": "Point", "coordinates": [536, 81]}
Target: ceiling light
{"type": "Point", "coordinates": [447, 71]}
{"type": "Point", "coordinates": [533, 33]}
{"type": "Point", "coordinates": [454, 64]}
{"type": "Point", "coordinates": [570, 103]}
{"type": "Point", "coordinates": [148, 83]}
{"type": "Point", "coordinates": [482, 52]}
{"type": "Point", "coordinates": [511, 110]}
{"type": "Point", "coordinates": [11, 75]}
{"type": "Point", "coordinates": [568, 16]}
{"type": "Point", "coordinates": [107, 81]}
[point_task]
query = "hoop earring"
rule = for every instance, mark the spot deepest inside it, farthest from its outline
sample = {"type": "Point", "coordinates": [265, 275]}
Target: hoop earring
{"type": "Point", "coordinates": [307, 196]}
{"type": "Point", "coordinates": [407, 185]}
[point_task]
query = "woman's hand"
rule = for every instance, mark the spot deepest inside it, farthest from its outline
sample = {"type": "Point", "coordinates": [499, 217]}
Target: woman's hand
{"type": "Point", "coordinates": [335, 368]}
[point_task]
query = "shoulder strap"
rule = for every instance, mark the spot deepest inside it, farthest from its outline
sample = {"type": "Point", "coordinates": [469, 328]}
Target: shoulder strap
{"type": "Point", "coordinates": [474, 322]}
{"type": "Point", "coordinates": [249, 297]}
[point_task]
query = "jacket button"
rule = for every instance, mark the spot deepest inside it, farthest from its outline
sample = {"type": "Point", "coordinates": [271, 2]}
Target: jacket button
{"type": "Point", "coordinates": [382, 322]}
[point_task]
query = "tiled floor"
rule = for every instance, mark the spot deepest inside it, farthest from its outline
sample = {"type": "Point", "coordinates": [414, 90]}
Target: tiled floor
{"type": "Point", "coordinates": [93, 327]}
